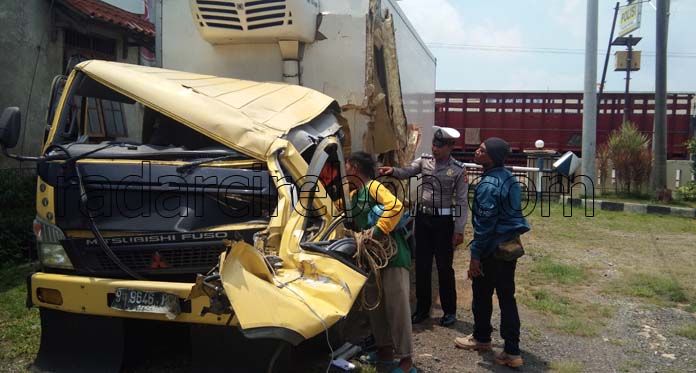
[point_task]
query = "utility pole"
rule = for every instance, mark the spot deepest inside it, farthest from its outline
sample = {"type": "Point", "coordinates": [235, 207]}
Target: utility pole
{"type": "Point", "coordinates": [589, 108]}
{"type": "Point", "coordinates": [606, 58]}
{"type": "Point", "coordinates": [658, 176]}
{"type": "Point", "coordinates": [158, 33]}
{"type": "Point", "coordinates": [629, 66]}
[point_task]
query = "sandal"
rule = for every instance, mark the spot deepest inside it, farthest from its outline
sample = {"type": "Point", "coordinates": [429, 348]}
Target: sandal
{"type": "Point", "coordinates": [373, 359]}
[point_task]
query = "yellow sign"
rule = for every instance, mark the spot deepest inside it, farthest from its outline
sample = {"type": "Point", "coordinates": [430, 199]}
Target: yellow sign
{"type": "Point", "coordinates": [629, 17]}
{"type": "Point", "coordinates": [622, 60]}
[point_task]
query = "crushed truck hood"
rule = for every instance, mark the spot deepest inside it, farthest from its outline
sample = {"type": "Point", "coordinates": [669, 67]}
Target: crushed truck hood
{"type": "Point", "coordinates": [292, 304]}
{"type": "Point", "coordinates": [246, 116]}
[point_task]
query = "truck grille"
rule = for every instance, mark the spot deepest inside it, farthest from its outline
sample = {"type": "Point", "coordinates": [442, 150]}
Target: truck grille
{"type": "Point", "coordinates": [154, 253]}
{"type": "Point", "coordinates": [249, 15]}
{"type": "Point", "coordinates": [202, 258]}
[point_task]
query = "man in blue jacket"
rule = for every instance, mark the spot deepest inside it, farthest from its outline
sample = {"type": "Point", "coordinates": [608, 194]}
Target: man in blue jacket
{"type": "Point", "coordinates": [496, 217]}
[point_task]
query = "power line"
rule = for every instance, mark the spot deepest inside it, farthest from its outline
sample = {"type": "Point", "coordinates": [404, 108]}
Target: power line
{"type": "Point", "coordinates": [541, 50]}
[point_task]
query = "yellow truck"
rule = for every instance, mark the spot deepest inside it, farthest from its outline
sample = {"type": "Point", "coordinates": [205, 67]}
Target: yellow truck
{"type": "Point", "coordinates": [216, 221]}
{"type": "Point", "coordinates": [188, 203]}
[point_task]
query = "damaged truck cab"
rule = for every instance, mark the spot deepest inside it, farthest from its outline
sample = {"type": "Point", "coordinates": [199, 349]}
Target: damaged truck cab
{"type": "Point", "coordinates": [217, 218]}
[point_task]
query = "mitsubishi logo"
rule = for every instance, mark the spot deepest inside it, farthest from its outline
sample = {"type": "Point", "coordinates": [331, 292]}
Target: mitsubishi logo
{"type": "Point", "coordinates": [157, 261]}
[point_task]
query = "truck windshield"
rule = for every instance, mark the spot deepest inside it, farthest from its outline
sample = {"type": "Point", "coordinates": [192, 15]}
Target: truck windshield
{"type": "Point", "coordinates": [93, 113]}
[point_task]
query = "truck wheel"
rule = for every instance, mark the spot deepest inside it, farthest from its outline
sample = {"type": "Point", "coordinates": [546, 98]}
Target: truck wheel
{"type": "Point", "coordinates": [73, 342]}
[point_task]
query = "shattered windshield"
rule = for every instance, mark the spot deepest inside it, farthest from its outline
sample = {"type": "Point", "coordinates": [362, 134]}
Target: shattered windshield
{"type": "Point", "coordinates": [95, 114]}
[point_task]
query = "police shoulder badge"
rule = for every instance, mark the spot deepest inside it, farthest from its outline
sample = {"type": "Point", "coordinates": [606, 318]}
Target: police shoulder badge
{"type": "Point", "coordinates": [450, 172]}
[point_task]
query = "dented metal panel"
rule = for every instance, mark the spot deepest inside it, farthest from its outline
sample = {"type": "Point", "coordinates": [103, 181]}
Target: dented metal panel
{"type": "Point", "coordinates": [245, 116]}
{"type": "Point", "coordinates": [306, 299]}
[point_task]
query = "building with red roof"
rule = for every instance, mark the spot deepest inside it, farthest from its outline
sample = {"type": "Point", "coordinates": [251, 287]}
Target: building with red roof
{"type": "Point", "coordinates": [41, 39]}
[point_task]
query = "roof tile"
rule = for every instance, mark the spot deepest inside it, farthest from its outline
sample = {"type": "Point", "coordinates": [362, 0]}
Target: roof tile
{"type": "Point", "coordinates": [114, 15]}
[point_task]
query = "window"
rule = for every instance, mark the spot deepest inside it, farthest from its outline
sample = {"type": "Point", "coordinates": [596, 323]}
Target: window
{"type": "Point", "coordinates": [80, 47]}
{"type": "Point", "coordinates": [105, 119]}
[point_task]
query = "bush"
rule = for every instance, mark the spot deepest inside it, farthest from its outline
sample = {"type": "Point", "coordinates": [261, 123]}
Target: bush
{"type": "Point", "coordinates": [688, 191]}
{"type": "Point", "coordinates": [691, 147]}
{"type": "Point", "coordinates": [629, 152]}
{"type": "Point", "coordinates": [18, 201]}
{"type": "Point", "coordinates": [603, 166]}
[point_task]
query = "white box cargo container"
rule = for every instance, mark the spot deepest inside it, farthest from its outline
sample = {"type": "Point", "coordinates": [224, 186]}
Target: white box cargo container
{"type": "Point", "coordinates": [342, 48]}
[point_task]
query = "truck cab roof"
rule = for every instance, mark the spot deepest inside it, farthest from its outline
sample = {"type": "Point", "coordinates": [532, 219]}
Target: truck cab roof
{"type": "Point", "coordinates": [245, 115]}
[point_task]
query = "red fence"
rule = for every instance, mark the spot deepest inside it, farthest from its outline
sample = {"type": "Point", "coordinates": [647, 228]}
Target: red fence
{"type": "Point", "coordinates": [521, 118]}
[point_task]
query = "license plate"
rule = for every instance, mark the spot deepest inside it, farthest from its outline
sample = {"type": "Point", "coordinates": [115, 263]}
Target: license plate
{"type": "Point", "coordinates": [131, 300]}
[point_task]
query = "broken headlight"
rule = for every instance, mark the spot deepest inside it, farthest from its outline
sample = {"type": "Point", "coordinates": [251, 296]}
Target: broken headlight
{"type": "Point", "coordinates": [51, 252]}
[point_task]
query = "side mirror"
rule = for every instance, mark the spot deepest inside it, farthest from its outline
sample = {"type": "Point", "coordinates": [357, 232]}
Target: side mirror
{"type": "Point", "coordinates": [57, 87]}
{"type": "Point", "coordinates": [567, 164]}
{"type": "Point", "coordinates": [10, 125]}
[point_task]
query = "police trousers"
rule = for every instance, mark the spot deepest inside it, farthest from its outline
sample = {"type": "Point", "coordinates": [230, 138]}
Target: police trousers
{"type": "Point", "coordinates": [434, 238]}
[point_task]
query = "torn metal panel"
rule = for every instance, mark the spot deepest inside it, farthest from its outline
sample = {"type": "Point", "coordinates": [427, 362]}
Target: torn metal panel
{"type": "Point", "coordinates": [386, 130]}
{"type": "Point", "coordinates": [306, 296]}
{"type": "Point", "coordinates": [415, 137]}
{"type": "Point", "coordinates": [396, 105]}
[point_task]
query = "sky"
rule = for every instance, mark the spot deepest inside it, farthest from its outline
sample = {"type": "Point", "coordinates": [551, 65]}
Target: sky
{"type": "Point", "coordinates": [134, 6]}
{"type": "Point", "coordinates": [472, 41]}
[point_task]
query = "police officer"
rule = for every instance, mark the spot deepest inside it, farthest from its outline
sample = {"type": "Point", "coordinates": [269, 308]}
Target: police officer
{"type": "Point", "coordinates": [440, 219]}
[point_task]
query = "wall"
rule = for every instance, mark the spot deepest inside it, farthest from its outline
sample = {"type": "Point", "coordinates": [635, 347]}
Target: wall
{"type": "Point", "coordinates": [686, 173]}
{"type": "Point", "coordinates": [26, 43]}
{"type": "Point", "coordinates": [672, 167]}
{"type": "Point", "coordinates": [25, 30]}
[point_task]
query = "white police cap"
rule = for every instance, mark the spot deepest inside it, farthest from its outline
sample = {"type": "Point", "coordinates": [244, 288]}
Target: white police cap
{"type": "Point", "coordinates": [445, 133]}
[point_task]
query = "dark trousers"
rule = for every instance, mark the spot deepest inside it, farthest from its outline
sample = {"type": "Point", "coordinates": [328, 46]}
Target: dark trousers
{"type": "Point", "coordinates": [434, 238]}
{"type": "Point", "coordinates": [498, 275]}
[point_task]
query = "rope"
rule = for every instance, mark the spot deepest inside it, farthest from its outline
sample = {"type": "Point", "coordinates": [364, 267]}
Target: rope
{"type": "Point", "coordinates": [373, 254]}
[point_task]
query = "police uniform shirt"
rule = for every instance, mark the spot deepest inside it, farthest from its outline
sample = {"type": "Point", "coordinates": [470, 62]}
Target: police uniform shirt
{"type": "Point", "coordinates": [444, 185]}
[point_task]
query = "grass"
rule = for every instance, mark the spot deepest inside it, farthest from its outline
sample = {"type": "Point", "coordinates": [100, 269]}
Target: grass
{"type": "Point", "coordinates": [573, 221]}
{"type": "Point", "coordinates": [656, 289]}
{"type": "Point", "coordinates": [533, 333]}
{"type": "Point", "coordinates": [645, 200]}
{"type": "Point", "coordinates": [629, 366]}
{"type": "Point", "coordinates": [364, 368]}
{"type": "Point", "coordinates": [573, 257]}
{"type": "Point", "coordinates": [566, 367]}
{"type": "Point", "coordinates": [559, 272]}
{"type": "Point", "coordinates": [548, 303]}
{"type": "Point", "coordinates": [567, 315]}
{"type": "Point", "coordinates": [687, 331]}
{"type": "Point", "coordinates": [20, 332]}
{"type": "Point", "coordinates": [578, 326]}
{"type": "Point", "coordinates": [594, 252]}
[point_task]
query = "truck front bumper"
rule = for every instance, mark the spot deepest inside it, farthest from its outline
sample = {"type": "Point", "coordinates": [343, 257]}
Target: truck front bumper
{"type": "Point", "coordinates": [92, 295]}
